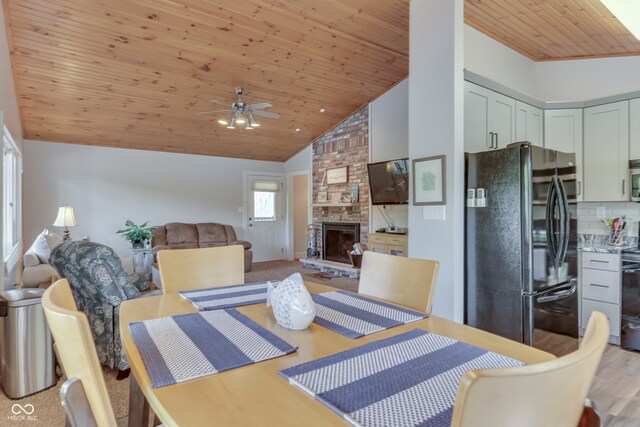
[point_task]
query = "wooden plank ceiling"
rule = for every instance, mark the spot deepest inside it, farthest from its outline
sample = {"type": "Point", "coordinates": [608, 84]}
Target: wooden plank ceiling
{"type": "Point", "coordinates": [134, 73]}
{"type": "Point", "coordinates": [552, 29]}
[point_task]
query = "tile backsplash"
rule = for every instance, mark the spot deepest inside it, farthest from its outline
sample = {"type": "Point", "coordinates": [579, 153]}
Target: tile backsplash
{"type": "Point", "coordinates": [590, 223]}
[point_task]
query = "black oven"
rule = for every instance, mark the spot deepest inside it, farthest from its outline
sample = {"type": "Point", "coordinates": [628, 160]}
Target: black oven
{"type": "Point", "coordinates": [630, 333]}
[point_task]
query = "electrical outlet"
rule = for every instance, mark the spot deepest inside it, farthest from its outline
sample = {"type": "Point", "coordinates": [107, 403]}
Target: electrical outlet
{"type": "Point", "coordinates": [601, 212]}
{"type": "Point", "coordinates": [433, 213]}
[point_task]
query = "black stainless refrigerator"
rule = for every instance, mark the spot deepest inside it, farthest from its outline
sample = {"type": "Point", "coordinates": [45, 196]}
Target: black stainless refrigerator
{"type": "Point", "coordinates": [521, 242]}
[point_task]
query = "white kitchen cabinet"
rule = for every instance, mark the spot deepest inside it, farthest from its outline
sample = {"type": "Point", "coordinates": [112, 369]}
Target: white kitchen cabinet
{"type": "Point", "coordinates": [634, 129]}
{"type": "Point", "coordinates": [529, 124]}
{"type": "Point", "coordinates": [606, 152]}
{"type": "Point", "coordinates": [601, 279]}
{"type": "Point", "coordinates": [563, 132]}
{"type": "Point", "coordinates": [489, 119]}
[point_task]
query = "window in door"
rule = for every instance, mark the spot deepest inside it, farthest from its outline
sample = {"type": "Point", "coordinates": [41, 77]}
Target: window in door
{"type": "Point", "coordinates": [264, 200]}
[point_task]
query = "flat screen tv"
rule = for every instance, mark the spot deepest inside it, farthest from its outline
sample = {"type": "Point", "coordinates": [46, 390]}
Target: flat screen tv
{"type": "Point", "coordinates": [389, 182]}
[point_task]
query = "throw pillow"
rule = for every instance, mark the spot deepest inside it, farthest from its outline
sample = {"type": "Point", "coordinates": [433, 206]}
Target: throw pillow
{"type": "Point", "coordinates": [43, 244]}
{"type": "Point", "coordinates": [30, 259]}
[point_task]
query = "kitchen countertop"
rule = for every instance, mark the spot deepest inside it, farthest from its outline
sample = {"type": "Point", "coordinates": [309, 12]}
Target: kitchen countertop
{"type": "Point", "coordinates": [608, 249]}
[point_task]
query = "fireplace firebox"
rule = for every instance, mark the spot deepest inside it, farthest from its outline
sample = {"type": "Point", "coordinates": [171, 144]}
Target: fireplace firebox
{"type": "Point", "coordinates": [337, 239]}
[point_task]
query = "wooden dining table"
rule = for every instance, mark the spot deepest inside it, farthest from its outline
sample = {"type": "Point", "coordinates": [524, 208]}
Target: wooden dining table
{"type": "Point", "coordinates": [256, 395]}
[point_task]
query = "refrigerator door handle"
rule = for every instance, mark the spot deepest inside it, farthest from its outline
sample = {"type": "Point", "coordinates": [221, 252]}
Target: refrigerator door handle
{"type": "Point", "coordinates": [565, 293]}
{"type": "Point", "coordinates": [565, 222]}
{"type": "Point", "coordinates": [549, 222]}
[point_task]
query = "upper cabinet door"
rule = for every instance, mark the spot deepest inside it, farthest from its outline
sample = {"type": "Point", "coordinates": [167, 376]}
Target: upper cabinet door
{"type": "Point", "coordinates": [606, 152]}
{"type": "Point", "coordinates": [634, 129]}
{"type": "Point", "coordinates": [563, 132]}
{"type": "Point", "coordinates": [502, 120]}
{"type": "Point", "coordinates": [489, 119]}
{"type": "Point", "coordinates": [529, 124]}
{"type": "Point", "coordinates": [476, 118]}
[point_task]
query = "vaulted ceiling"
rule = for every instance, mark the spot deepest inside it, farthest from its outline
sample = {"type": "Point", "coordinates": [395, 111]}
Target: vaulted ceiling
{"type": "Point", "coordinates": [134, 73]}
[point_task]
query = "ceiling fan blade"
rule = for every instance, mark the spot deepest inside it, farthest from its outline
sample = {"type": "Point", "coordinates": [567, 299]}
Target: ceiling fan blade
{"type": "Point", "coordinates": [260, 105]}
{"type": "Point", "coordinates": [214, 111]}
{"type": "Point", "coordinates": [217, 101]}
{"type": "Point", "coordinates": [265, 114]}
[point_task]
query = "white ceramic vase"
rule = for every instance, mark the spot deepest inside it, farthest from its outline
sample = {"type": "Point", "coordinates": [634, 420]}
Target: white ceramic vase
{"type": "Point", "coordinates": [292, 304]}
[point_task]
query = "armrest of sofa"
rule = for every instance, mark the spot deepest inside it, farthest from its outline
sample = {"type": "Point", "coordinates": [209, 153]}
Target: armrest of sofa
{"type": "Point", "coordinates": [141, 281]}
{"type": "Point", "coordinates": [244, 243]}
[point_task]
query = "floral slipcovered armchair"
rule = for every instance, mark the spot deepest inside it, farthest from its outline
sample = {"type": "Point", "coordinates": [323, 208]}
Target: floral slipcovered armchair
{"type": "Point", "coordinates": [99, 284]}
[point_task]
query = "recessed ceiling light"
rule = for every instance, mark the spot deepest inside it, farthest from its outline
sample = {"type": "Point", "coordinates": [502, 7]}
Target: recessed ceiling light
{"type": "Point", "coordinates": [322, 110]}
{"type": "Point", "coordinates": [297, 129]}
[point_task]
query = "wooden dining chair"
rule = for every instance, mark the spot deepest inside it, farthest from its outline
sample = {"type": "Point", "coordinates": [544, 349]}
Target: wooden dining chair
{"type": "Point", "coordinates": [79, 359]}
{"type": "Point", "coordinates": [406, 281]}
{"type": "Point", "coordinates": [545, 394]}
{"type": "Point", "coordinates": [188, 269]}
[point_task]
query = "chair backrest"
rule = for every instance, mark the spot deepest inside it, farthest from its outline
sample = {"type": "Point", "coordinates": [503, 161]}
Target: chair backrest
{"type": "Point", "coordinates": [187, 269]}
{"type": "Point", "coordinates": [76, 349]}
{"type": "Point", "coordinates": [545, 394]}
{"type": "Point", "coordinates": [405, 281]}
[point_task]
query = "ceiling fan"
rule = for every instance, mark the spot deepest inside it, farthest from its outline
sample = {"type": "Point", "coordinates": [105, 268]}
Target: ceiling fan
{"type": "Point", "coordinates": [241, 113]}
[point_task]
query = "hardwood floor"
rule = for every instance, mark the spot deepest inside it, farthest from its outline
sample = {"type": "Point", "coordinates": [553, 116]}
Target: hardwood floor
{"type": "Point", "coordinates": [616, 387]}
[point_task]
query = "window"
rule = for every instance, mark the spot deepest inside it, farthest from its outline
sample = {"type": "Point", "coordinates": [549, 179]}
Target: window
{"type": "Point", "coordinates": [264, 206]}
{"type": "Point", "coordinates": [264, 200]}
{"type": "Point", "coordinates": [12, 200]}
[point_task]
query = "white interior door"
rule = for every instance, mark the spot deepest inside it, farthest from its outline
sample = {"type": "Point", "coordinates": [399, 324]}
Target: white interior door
{"type": "Point", "coordinates": [265, 217]}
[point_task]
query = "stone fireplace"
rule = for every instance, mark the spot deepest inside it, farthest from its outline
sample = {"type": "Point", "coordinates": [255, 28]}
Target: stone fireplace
{"type": "Point", "coordinates": [337, 239]}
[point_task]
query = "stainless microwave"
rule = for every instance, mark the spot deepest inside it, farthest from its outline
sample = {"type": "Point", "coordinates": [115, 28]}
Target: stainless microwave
{"type": "Point", "coordinates": [634, 183]}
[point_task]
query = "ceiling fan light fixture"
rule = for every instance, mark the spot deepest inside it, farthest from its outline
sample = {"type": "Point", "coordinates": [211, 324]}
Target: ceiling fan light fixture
{"type": "Point", "coordinates": [225, 121]}
{"type": "Point", "coordinates": [627, 12]}
{"type": "Point", "coordinates": [232, 125]}
{"type": "Point", "coordinates": [253, 121]}
{"type": "Point", "coordinates": [240, 118]}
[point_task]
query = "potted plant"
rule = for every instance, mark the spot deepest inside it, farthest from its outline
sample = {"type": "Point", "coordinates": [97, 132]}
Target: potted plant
{"type": "Point", "coordinates": [137, 234]}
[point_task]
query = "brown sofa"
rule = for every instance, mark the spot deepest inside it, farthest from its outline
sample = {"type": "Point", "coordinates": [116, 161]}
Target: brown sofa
{"type": "Point", "coordinates": [178, 235]}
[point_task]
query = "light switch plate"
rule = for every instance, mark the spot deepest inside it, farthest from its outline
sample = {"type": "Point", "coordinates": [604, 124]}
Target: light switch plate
{"type": "Point", "coordinates": [433, 213]}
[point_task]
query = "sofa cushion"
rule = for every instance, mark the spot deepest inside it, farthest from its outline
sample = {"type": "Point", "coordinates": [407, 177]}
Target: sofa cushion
{"type": "Point", "coordinates": [43, 244]}
{"type": "Point", "coordinates": [159, 236]}
{"type": "Point", "coordinates": [184, 246]}
{"type": "Point", "coordinates": [178, 233]}
{"type": "Point", "coordinates": [210, 232]}
{"type": "Point", "coordinates": [30, 259]}
{"type": "Point", "coordinates": [32, 276]}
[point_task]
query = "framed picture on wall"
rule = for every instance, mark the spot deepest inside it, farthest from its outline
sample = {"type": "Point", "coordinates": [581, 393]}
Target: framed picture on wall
{"type": "Point", "coordinates": [337, 175]}
{"type": "Point", "coordinates": [429, 181]}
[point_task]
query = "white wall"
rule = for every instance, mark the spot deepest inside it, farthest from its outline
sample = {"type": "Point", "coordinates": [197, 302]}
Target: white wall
{"type": "Point", "coordinates": [488, 58]}
{"type": "Point", "coordinates": [436, 127]}
{"type": "Point", "coordinates": [8, 100]}
{"type": "Point", "coordinates": [550, 81]}
{"type": "Point", "coordinates": [389, 140]}
{"type": "Point", "coordinates": [586, 79]}
{"type": "Point", "coordinates": [107, 186]}
{"type": "Point", "coordinates": [300, 162]}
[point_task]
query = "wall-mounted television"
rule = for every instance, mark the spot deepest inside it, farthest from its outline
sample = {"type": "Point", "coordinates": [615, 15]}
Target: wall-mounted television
{"type": "Point", "coordinates": [389, 182]}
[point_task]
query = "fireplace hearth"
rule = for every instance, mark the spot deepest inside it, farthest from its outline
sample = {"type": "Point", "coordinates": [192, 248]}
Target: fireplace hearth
{"type": "Point", "coordinates": [337, 239]}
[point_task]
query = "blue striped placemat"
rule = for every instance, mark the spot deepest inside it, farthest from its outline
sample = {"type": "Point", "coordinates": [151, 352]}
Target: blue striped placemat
{"type": "Point", "coordinates": [406, 380]}
{"type": "Point", "coordinates": [355, 316]}
{"type": "Point", "coordinates": [227, 296]}
{"type": "Point", "coordinates": [188, 346]}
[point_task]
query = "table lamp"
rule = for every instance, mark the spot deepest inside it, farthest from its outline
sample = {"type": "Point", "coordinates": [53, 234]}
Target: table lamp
{"type": "Point", "coordinates": [65, 219]}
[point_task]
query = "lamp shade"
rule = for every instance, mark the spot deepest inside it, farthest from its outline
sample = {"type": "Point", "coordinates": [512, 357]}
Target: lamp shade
{"type": "Point", "coordinates": [65, 218]}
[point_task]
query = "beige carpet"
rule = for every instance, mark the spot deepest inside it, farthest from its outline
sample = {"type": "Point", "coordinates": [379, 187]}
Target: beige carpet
{"type": "Point", "coordinates": [47, 403]}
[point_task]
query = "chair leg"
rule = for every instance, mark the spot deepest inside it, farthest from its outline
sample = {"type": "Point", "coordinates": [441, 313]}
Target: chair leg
{"type": "Point", "coordinates": [138, 405]}
{"type": "Point", "coordinates": [122, 375]}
